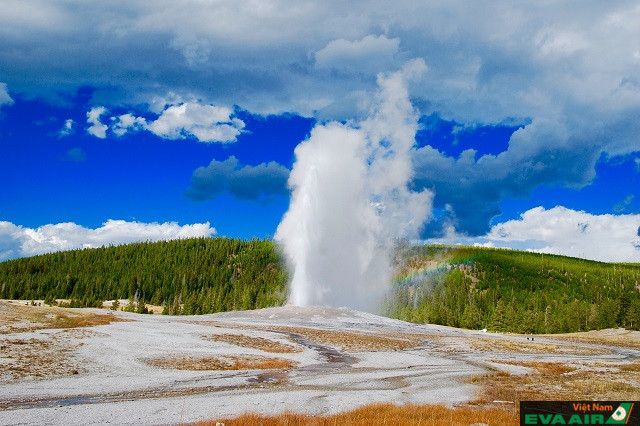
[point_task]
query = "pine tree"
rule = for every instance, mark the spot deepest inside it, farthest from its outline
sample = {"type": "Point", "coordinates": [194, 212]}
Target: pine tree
{"type": "Point", "coordinates": [141, 307]}
{"type": "Point", "coordinates": [472, 317]}
{"type": "Point", "coordinates": [498, 318]}
{"type": "Point", "coordinates": [131, 305]}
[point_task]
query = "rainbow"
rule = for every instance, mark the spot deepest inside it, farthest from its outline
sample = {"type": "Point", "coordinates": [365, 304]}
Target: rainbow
{"type": "Point", "coordinates": [414, 275]}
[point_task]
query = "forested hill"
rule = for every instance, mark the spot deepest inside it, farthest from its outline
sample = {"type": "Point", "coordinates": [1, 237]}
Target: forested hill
{"type": "Point", "coordinates": [190, 276]}
{"type": "Point", "coordinates": [501, 290]}
{"type": "Point", "coordinates": [506, 290]}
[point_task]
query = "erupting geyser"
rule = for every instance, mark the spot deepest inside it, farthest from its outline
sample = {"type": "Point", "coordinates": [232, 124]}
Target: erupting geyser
{"type": "Point", "coordinates": [350, 199]}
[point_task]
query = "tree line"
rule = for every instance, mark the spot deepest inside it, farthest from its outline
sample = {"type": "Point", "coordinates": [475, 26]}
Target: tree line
{"type": "Point", "coordinates": [514, 291]}
{"type": "Point", "coordinates": [470, 287]}
{"type": "Point", "coordinates": [190, 276]}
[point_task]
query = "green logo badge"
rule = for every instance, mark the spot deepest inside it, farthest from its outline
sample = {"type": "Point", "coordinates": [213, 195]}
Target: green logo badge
{"type": "Point", "coordinates": [621, 414]}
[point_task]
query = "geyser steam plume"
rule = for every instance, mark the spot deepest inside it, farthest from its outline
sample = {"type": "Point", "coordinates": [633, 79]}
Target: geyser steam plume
{"type": "Point", "coordinates": [350, 200]}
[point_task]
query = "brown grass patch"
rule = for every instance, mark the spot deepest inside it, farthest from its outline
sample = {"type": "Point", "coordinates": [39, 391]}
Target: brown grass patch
{"type": "Point", "coordinates": [353, 342]}
{"type": "Point", "coordinates": [609, 337]}
{"type": "Point", "coordinates": [589, 382]}
{"type": "Point", "coordinates": [383, 414]}
{"type": "Point", "coordinates": [634, 367]}
{"type": "Point", "coordinates": [259, 343]}
{"type": "Point", "coordinates": [348, 341]}
{"type": "Point", "coordinates": [36, 358]}
{"type": "Point", "coordinates": [226, 362]}
{"type": "Point", "coordinates": [544, 368]}
{"type": "Point", "coordinates": [526, 347]}
{"type": "Point", "coordinates": [17, 318]}
{"type": "Point", "coordinates": [457, 344]}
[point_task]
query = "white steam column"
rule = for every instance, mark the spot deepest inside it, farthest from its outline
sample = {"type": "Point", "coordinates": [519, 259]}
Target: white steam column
{"type": "Point", "coordinates": [350, 200]}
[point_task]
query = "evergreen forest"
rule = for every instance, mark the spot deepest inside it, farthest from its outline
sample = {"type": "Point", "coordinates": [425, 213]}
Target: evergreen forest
{"type": "Point", "coordinates": [469, 287]}
{"type": "Point", "coordinates": [190, 276]}
{"type": "Point", "coordinates": [512, 291]}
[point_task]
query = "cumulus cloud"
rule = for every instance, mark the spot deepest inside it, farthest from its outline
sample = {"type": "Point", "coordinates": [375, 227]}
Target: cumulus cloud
{"type": "Point", "coordinates": [204, 122]}
{"type": "Point", "coordinates": [67, 128]}
{"type": "Point", "coordinates": [5, 99]}
{"type": "Point", "coordinates": [575, 233]}
{"type": "Point", "coordinates": [245, 182]}
{"type": "Point", "coordinates": [195, 50]}
{"type": "Point", "coordinates": [372, 54]}
{"type": "Point", "coordinates": [207, 123]}
{"type": "Point", "coordinates": [96, 128]}
{"type": "Point", "coordinates": [546, 151]}
{"type": "Point", "coordinates": [571, 74]}
{"type": "Point", "coordinates": [127, 122]}
{"type": "Point", "coordinates": [607, 238]}
{"type": "Point", "coordinates": [10, 240]}
{"type": "Point", "coordinates": [520, 58]}
{"type": "Point", "coordinates": [17, 241]}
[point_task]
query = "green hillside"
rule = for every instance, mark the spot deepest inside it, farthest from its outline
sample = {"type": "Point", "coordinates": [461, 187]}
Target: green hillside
{"type": "Point", "coordinates": [202, 275]}
{"type": "Point", "coordinates": [506, 290]}
{"type": "Point", "coordinates": [471, 287]}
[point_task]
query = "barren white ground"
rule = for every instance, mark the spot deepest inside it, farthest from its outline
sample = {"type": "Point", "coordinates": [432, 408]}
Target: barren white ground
{"type": "Point", "coordinates": [113, 383]}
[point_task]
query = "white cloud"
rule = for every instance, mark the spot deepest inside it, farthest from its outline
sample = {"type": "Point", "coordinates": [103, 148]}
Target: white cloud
{"type": "Point", "coordinates": [607, 238]}
{"type": "Point", "coordinates": [18, 241]}
{"type": "Point", "coordinates": [372, 54]}
{"type": "Point", "coordinates": [519, 57]}
{"type": "Point", "coordinates": [96, 127]}
{"type": "Point", "coordinates": [206, 123]}
{"type": "Point", "coordinates": [67, 128]}
{"type": "Point", "coordinates": [196, 51]}
{"type": "Point", "coordinates": [559, 43]}
{"type": "Point", "coordinates": [570, 74]}
{"type": "Point", "coordinates": [126, 122]}
{"type": "Point", "coordinates": [5, 99]}
{"type": "Point", "coordinates": [522, 59]}
{"type": "Point", "coordinates": [10, 240]}
{"type": "Point", "coordinates": [160, 103]}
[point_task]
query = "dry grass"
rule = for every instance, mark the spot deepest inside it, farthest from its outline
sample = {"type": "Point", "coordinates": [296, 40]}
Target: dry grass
{"type": "Point", "coordinates": [17, 318]}
{"type": "Point", "coordinates": [37, 358]}
{"type": "Point", "coordinates": [348, 341]}
{"type": "Point", "coordinates": [633, 367]}
{"type": "Point", "coordinates": [610, 337]}
{"type": "Point", "coordinates": [227, 362]}
{"type": "Point", "coordinates": [353, 342]}
{"type": "Point", "coordinates": [217, 324]}
{"type": "Point", "coordinates": [383, 414]}
{"type": "Point", "coordinates": [557, 381]}
{"type": "Point", "coordinates": [527, 347]}
{"type": "Point", "coordinates": [532, 347]}
{"type": "Point", "coordinates": [544, 368]}
{"type": "Point", "coordinates": [259, 343]}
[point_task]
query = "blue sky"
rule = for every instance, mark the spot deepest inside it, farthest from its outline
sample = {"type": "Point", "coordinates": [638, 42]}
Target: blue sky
{"type": "Point", "coordinates": [177, 118]}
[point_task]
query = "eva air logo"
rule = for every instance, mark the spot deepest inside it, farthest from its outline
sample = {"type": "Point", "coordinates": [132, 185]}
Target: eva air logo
{"type": "Point", "coordinates": [579, 413]}
{"type": "Point", "coordinates": [621, 414]}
